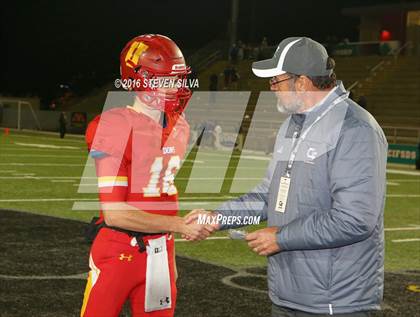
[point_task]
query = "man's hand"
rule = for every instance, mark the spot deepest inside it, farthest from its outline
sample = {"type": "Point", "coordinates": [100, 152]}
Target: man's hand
{"type": "Point", "coordinates": [193, 216]}
{"type": "Point", "coordinates": [191, 219]}
{"type": "Point", "coordinates": [263, 241]}
{"type": "Point", "coordinates": [194, 231]}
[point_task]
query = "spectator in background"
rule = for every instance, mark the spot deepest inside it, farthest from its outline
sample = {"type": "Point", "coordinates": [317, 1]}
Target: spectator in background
{"type": "Point", "coordinates": [345, 41]}
{"type": "Point", "coordinates": [262, 48]}
{"type": "Point", "coordinates": [330, 43]}
{"type": "Point", "coordinates": [227, 73]}
{"type": "Point", "coordinates": [208, 135]}
{"type": "Point", "coordinates": [253, 52]}
{"type": "Point", "coordinates": [205, 128]}
{"type": "Point", "coordinates": [418, 157]}
{"type": "Point", "coordinates": [240, 50]}
{"type": "Point", "coordinates": [62, 121]}
{"type": "Point", "coordinates": [247, 51]}
{"type": "Point", "coordinates": [233, 54]}
{"type": "Point", "coordinates": [213, 86]}
{"type": "Point", "coordinates": [235, 78]}
{"type": "Point", "coordinates": [194, 128]}
{"type": "Point", "coordinates": [214, 82]}
{"type": "Point", "coordinates": [264, 43]}
{"type": "Point", "coordinates": [217, 133]}
{"type": "Point", "coordinates": [384, 49]}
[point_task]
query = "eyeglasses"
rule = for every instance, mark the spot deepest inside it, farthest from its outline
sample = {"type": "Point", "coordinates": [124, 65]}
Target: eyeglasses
{"type": "Point", "coordinates": [274, 81]}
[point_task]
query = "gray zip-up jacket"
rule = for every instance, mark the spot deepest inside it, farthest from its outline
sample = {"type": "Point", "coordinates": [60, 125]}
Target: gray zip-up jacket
{"type": "Point", "coordinates": [331, 233]}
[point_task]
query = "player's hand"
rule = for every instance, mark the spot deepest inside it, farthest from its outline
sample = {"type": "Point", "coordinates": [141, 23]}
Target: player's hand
{"type": "Point", "coordinates": [209, 217]}
{"type": "Point", "coordinates": [192, 219]}
{"type": "Point", "coordinates": [263, 242]}
{"type": "Point", "coordinates": [196, 232]}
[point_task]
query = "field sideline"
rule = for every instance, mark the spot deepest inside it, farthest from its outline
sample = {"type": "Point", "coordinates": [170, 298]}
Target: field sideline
{"type": "Point", "coordinates": [41, 174]}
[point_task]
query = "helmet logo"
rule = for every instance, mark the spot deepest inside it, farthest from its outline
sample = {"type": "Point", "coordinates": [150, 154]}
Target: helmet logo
{"type": "Point", "coordinates": [134, 52]}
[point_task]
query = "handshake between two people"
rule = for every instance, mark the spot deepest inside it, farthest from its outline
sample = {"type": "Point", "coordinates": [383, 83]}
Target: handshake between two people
{"type": "Point", "coordinates": [200, 224]}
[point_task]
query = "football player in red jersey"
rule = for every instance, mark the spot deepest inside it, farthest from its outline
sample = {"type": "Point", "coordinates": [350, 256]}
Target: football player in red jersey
{"type": "Point", "coordinates": [137, 150]}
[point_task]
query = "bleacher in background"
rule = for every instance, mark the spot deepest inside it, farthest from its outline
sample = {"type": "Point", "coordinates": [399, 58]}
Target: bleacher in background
{"type": "Point", "coordinates": [393, 97]}
{"type": "Point", "coordinates": [390, 86]}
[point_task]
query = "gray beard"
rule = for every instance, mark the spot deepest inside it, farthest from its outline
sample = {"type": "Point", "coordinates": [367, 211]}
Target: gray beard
{"type": "Point", "coordinates": [291, 108]}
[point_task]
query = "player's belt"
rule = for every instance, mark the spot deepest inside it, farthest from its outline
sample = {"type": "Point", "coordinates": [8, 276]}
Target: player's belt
{"type": "Point", "coordinates": [94, 228]}
{"type": "Point", "coordinates": [137, 235]}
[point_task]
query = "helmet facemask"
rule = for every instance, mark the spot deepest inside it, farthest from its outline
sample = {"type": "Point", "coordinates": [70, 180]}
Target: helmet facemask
{"type": "Point", "coordinates": [163, 92]}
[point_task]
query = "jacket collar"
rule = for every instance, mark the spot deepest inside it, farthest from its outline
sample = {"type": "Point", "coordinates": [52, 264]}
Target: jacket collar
{"type": "Point", "coordinates": [335, 93]}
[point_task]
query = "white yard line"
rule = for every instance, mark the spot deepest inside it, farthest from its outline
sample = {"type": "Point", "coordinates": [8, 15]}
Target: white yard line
{"type": "Point", "coordinates": [76, 156]}
{"type": "Point", "coordinates": [406, 240]}
{"type": "Point", "coordinates": [403, 195]}
{"type": "Point", "coordinates": [28, 176]}
{"type": "Point", "coordinates": [208, 197]}
{"type": "Point", "coordinates": [43, 200]}
{"type": "Point", "coordinates": [200, 203]}
{"type": "Point", "coordinates": [82, 155]}
{"type": "Point", "coordinates": [202, 198]}
{"type": "Point", "coordinates": [63, 180]}
{"type": "Point", "coordinates": [217, 178]}
{"type": "Point", "coordinates": [47, 146]}
{"type": "Point", "coordinates": [256, 158]}
{"type": "Point", "coordinates": [76, 139]}
{"type": "Point", "coordinates": [180, 178]}
{"type": "Point", "coordinates": [224, 168]}
{"type": "Point", "coordinates": [402, 172]}
{"type": "Point", "coordinates": [42, 150]}
{"type": "Point", "coordinates": [81, 276]}
{"type": "Point", "coordinates": [412, 228]}
{"type": "Point", "coordinates": [393, 184]}
{"type": "Point", "coordinates": [94, 205]}
{"type": "Point", "coordinates": [44, 164]}
{"type": "Point", "coordinates": [195, 161]}
{"type": "Point", "coordinates": [209, 238]}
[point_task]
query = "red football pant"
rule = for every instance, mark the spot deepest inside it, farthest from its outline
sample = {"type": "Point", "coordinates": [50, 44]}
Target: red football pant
{"type": "Point", "coordinates": [118, 273]}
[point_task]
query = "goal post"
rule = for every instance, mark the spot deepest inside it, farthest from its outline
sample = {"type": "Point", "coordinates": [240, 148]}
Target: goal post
{"type": "Point", "coordinates": [20, 104]}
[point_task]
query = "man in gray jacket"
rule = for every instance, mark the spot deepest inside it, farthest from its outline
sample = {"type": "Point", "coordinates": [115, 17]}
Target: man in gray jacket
{"type": "Point", "coordinates": [323, 194]}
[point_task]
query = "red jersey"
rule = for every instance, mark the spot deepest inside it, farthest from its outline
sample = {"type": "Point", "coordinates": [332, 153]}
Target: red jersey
{"type": "Point", "coordinates": [137, 159]}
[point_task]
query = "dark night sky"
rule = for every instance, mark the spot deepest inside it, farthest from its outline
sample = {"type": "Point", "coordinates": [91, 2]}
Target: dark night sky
{"type": "Point", "coordinates": [44, 43]}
